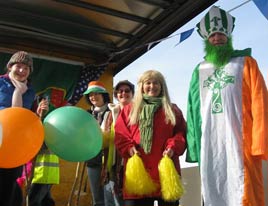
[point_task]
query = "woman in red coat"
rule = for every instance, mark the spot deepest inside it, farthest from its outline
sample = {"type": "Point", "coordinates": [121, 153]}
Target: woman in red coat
{"type": "Point", "coordinates": [151, 127]}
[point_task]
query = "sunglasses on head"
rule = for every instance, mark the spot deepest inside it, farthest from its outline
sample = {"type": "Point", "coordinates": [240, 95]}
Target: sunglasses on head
{"type": "Point", "coordinates": [120, 91]}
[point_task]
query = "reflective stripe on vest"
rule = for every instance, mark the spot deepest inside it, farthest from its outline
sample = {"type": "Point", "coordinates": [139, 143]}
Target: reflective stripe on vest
{"type": "Point", "coordinates": [46, 169]}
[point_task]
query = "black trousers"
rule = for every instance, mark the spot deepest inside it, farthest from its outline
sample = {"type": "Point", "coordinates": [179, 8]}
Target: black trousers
{"type": "Point", "coordinates": [10, 192]}
{"type": "Point", "coordinates": [39, 195]}
{"type": "Point", "coordinates": [149, 202]}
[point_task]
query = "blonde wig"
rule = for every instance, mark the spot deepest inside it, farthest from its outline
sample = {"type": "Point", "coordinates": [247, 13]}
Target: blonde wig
{"type": "Point", "coordinates": [138, 98]}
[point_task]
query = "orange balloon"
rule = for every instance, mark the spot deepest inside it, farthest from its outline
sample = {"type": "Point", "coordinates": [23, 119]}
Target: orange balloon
{"type": "Point", "coordinates": [22, 135]}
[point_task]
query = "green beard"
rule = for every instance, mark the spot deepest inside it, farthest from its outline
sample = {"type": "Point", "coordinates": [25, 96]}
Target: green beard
{"type": "Point", "coordinates": [219, 55]}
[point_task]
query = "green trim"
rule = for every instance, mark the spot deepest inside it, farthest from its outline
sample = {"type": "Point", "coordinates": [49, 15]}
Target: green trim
{"type": "Point", "coordinates": [194, 120]}
{"type": "Point", "coordinates": [207, 23]}
{"type": "Point", "coordinates": [224, 19]}
{"type": "Point", "coordinates": [242, 53]}
{"type": "Point", "coordinates": [95, 90]}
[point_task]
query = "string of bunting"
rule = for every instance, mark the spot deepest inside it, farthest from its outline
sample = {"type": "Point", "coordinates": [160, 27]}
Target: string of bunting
{"type": "Point", "coordinates": [262, 5]}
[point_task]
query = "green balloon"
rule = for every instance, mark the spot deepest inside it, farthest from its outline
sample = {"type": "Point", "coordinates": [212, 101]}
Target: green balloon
{"type": "Point", "coordinates": [72, 133]}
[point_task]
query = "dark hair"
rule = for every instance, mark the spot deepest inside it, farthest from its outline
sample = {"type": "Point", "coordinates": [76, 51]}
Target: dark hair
{"type": "Point", "coordinates": [106, 98]}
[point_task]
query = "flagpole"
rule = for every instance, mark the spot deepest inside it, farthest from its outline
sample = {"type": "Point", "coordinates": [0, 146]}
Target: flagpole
{"type": "Point", "coordinates": [239, 5]}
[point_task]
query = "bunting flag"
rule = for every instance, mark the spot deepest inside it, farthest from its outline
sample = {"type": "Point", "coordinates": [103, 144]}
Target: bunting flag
{"type": "Point", "coordinates": [185, 35]}
{"type": "Point", "coordinates": [262, 6]}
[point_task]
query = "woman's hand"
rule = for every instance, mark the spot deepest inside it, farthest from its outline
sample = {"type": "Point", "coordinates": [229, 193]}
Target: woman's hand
{"type": "Point", "coordinates": [20, 87]}
{"type": "Point", "coordinates": [169, 152]}
{"type": "Point", "coordinates": [133, 151]}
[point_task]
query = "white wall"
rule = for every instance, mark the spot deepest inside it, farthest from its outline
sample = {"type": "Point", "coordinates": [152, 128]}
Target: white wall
{"type": "Point", "coordinates": [191, 183]}
{"type": "Point", "coordinates": [192, 187]}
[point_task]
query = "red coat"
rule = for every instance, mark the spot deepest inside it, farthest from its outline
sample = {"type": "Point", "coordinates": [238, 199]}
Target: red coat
{"type": "Point", "coordinates": [164, 136]}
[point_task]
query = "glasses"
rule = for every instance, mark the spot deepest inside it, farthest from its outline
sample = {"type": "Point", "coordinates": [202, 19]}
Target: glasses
{"type": "Point", "coordinates": [120, 91]}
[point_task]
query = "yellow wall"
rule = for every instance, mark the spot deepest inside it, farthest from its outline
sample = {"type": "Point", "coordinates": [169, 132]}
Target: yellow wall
{"type": "Point", "coordinates": [107, 79]}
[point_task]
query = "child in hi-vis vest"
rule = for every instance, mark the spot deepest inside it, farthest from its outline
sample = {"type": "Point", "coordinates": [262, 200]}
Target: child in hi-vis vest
{"type": "Point", "coordinates": [45, 174]}
{"type": "Point", "coordinates": [45, 170]}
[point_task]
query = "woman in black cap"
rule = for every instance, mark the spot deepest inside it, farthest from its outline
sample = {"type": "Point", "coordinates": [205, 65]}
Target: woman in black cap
{"type": "Point", "coordinates": [123, 93]}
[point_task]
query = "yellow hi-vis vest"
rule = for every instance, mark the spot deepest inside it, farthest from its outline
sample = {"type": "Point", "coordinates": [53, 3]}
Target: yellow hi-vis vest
{"type": "Point", "coordinates": [46, 169]}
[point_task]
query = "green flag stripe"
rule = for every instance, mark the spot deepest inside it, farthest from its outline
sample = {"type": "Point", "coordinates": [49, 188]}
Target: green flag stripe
{"type": "Point", "coordinates": [224, 19]}
{"type": "Point", "coordinates": [207, 22]}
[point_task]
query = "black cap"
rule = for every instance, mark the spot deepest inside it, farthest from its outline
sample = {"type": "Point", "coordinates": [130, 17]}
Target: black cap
{"type": "Point", "coordinates": [124, 82]}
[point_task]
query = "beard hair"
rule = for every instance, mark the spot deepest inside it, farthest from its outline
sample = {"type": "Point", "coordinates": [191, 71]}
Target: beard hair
{"type": "Point", "coordinates": [219, 55]}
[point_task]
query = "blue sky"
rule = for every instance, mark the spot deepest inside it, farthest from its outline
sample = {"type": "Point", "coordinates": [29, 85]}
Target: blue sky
{"type": "Point", "coordinates": [177, 63]}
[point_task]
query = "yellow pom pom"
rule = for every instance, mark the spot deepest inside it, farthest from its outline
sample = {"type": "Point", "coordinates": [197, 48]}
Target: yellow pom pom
{"type": "Point", "coordinates": [105, 139]}
{"type": "Point", "coordinates": [171, 186]}
{"type": "Point", "coordinates": [137, 179]}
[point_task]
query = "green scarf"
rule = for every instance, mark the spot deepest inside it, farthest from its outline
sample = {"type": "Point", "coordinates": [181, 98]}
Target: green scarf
{"type": "Point", "coordinates": [151, 104]}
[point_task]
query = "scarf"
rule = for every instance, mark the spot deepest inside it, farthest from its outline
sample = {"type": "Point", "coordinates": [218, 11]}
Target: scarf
{"type": "Point", "coordinates": [98, 113]}
{"type": "Point", "coordinates": [146, 119]}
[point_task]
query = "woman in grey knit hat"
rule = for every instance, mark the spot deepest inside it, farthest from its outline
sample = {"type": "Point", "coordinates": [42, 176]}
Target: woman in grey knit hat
{"type": "Point", "coordinates": [16, 91]}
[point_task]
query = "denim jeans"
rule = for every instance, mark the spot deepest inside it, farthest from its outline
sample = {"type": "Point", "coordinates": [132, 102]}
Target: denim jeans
{"type": "Point", "coordinates": [110, 197]}
{"type": "Point", "coordinates": [94, 177]}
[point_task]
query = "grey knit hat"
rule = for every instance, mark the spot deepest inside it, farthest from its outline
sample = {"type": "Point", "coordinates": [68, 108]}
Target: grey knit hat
{"type": "Point", "coordinates": [21, 57]}
{"type": "Point", "coordinates": [216, 20]}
